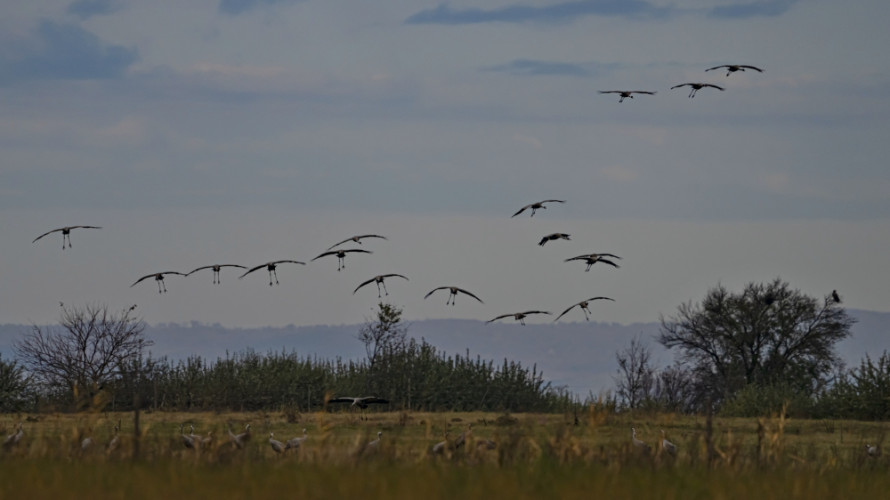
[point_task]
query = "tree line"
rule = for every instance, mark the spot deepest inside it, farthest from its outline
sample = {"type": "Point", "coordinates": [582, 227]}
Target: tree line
{"type": "Point", "coordinates": [95, 359]}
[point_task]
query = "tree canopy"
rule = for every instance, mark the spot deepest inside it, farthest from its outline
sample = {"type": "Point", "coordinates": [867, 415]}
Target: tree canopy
{"type": "Point", "coordinates": [767, 334]}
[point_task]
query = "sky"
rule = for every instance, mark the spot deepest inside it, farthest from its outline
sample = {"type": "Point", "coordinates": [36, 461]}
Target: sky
{"type": "Point", "coordinates": [200, 132]}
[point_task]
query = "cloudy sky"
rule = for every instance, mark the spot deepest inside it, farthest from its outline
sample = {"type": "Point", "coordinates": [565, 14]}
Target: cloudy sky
{"type": "Point", "coordinates": [242, 131]}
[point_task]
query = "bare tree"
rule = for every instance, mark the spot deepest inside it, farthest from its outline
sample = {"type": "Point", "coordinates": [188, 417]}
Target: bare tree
{"type": "Point", "coordinates": [384, 336]}
{"type": "Point", "coordinates": [85, 353]}
{"type": "Point", "coordinates": [636, 376]}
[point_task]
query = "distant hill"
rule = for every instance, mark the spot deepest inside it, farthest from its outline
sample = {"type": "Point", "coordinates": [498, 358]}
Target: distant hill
{"type": "Point", "coordinates": [579, 356]}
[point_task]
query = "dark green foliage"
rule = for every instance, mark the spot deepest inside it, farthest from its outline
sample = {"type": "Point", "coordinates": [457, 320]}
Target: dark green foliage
{"type": "Point", "coordinates": [14, 392]}
{"type": "Point", "coordinates": [419, 377]}
{"type": "Point", "coordinates": [861, 393]}
{"type": "Point", "coordinates": [766, 335]}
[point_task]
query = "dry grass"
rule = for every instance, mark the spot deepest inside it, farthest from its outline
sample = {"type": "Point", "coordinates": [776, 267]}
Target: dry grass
{"type": "Point", "coordinates": [536, 456]}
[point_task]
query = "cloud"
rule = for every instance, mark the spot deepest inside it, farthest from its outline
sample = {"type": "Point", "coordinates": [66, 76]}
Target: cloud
{"type": "Point", "coordinates": [85, 9]}
{"type": "Point", "coordinates": [235, 7]}
{"type": "Point", "coordinates": [550, 68]}
{"type": "Point", "coordinates": [560, 12]}
{"type": "Point", "coordinates": [65, 52]}
{"type": "Point", "coordinates": [765, 8]}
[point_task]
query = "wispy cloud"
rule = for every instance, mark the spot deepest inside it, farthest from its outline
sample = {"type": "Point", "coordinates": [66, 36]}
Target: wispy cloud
{"type": "Point", "coordinates": [560, 12]}
{"type": "Point", "coordinates": [85, 9]}
{"type": "Point", "coordinates": [764, 8]}
{"type": "Point", "coordinates": [235, 7]}
{"type": "Point", "coordinates": [64, 52]}
{"type": "Point", "coordinates": [529, 67]}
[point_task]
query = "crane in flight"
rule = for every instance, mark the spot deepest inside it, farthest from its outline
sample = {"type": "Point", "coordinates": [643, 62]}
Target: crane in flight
{"type": "Point", "coordinates": [453, 291]}
{"type": "Point", "coordinates": [361, 403]}
{"type": "Point", "coordinates": [593, 258]}
{"type": "Point", "coordinates": [379, 279]}
{"type": "Point", "coordinates": [732, 68]}
{"type": "Point", "coordinates": [520, 317]}
{"type": "Point", "coordinates": [626, 94]}
{"type": "Point", "coordinates": [357, 239]}
{"type": "Point", "coordinates": [341, 255]}
{"type": "Point", "coordinates": [697, 86]}
{"type": "Point", "coordinates": [584, 307]}
{"type": "Point", "coordinates": [271, 267]}
{"type": "Point", "coordinates": [216, 268]}
{"type": "Point", "coordinates": [159, 278]}
{"type": "Point", "coordinates": [535, 207]}
{"type": "Point", "coordinates": [66, 233]}
{"type": "Point", "coordinates": [553, 236]}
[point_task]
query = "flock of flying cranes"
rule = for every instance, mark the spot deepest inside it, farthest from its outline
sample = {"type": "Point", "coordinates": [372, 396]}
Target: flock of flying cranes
{"type": "Point", "coordinates": [380, 280]}
{"type": "Point", "coordinates": [693, 86]}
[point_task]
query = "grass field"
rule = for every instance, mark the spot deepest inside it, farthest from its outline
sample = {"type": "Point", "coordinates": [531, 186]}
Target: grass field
{"type": "Point", "coordinates": [536, 456]}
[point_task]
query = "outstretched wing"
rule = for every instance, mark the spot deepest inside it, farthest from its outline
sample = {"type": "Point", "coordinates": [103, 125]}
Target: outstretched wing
{"type": "Point", "coordinates": [254, 269]}
{"type": "Point", "coordinates": [461, 290]}
{"type": "Point", "coordinates": [553, 201]}
{"type": "Point", "coordinates": [85, 227]}
{"type": "Point", "coordinates": [606, 261]}
{"type": "Point", "coordinates": [342, 400]}
{"type": "Point", "coordinates": [755, 68]}
{"type": "Point", "coordinates": [356, 250]}
{"type": "Point", "coordinates": [598, 298]}
{"type": "Point", "coordinates": [152, 275]}
{"type": "Point", "coordinates": [535, 312]}
{"type": "Point", "coordinates": [287, 262]}
{"type": "Point", "coordinates": [642, 92]}
{"type": "Point", "coordinates": [712, 85]}
{"type": "Point", "coordinates": [434, 289]}
{"type": "Point", "coordinates": [199, 269]}
{"type": "Point", "coordinates": [564, 312]}
{"type": "Point", "coordinates": [610, 91]}
{"type": "Point", "coordinates": [372, 400]}
{"type": "Point", "coordinates": [330, 252]}
{"type": "Point", "coordinates": [357, 237]}
{"type": "Point", "coordinates": [370, 236]}
{"type": "Point", "coordinates": [46, 233]}
{"type": "Point", "coordinates": [609, 255]}
{"type": "Point", "coordinates": [580, 257]}
{"type": "Point", "coordinates": [521, 210]}
{"type": "Point", "coordinates": [363, 284]}
{"type": "Point", "coordinates": [394, 275]}
{"type": "Point", "coordinates": [718, 67]}
{"type": "Point", "coordinates": [502, 316]}
{"type": "Point", "coordinates": [681, 85]}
